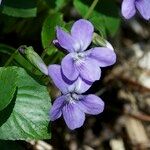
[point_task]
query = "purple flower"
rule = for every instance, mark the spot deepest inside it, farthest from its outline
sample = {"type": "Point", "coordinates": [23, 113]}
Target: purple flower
{"type": "Point", "coordinates": [129, 8]}
{"type": "Point", "coordinates": [72, 105]}
{"type": "Point", "coordinates": [81, 63]}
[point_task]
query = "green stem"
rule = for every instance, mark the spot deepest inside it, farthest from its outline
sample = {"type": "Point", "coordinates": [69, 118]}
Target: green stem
{"type": "Point", "coordinates": [45, 51]}
{"type": "Point", "coordinates": [91, 9]}
{"type": "Point", "coordinates": [10, 58]}
{"type": "Point", "coordinates": [43, 54]}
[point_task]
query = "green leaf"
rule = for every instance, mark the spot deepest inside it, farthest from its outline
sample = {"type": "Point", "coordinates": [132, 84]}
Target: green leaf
{"type": "Point", "coordinates": [60, 4]}
{"type": "Point", "coordinates": [6, 52]}
{"type": "Point", "coordinates": [100, 27]}
{"type": "Point", "coordinates": [48, 31]}
{"type": "Point", "coordinates": [56, 4]}
{"type": "Point", "coordinates": [8, 79]}
{"type": "Point", "coordinates": [103, 17]}
{"type": "Point", "coordinates": [26, 117]}
{"type": "Point", "coordinates": [19, 8]}
{"type": "Point", "coordinates": [68, 26]}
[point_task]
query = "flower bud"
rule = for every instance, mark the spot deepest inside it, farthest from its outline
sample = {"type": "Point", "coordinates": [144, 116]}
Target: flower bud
{"type": "Point", "coordinates": [34, 58]}
{"type": "Point", "coordinates": [98, 40]}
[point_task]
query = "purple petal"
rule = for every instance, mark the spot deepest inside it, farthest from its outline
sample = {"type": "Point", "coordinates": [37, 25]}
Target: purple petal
{"type": "Point", "coordinates": [57, 45]}
{"type": "Point", "coordinates": [68, 67]}
{"type": "Point", "coordinates": [54, 72]}
{"type": "Point", "coordinates": [143, 7]}
{"type": "Point", "coordinates": [80, 86]}
{"type": "Point", "coordinates": [82, 30]}
{"type": "Point", "coordinates": [56, 109]}
{"type": "Point", "coordinates": [65, 86]}
{"type": "Point", "coordinates": [66, 40]}
{"type": "Point", "coordinates": [128, 8]}
{"type": "Point", "coordinates": [73, 116]}
{"type": "Point", "coordinates": [91, 104]}
{"type": "Point", "coordinates": [89, 70]}
{"type": "Point", "coordinates": [103, 56]}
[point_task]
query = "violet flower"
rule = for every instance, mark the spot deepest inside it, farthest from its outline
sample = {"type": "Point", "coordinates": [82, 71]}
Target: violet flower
{"type": "Point", "coordinates": [72, 105]}
{"type": "Point", "coordinates": [129, 8]}
{"type": "Point", "coordinates": [81, 63]}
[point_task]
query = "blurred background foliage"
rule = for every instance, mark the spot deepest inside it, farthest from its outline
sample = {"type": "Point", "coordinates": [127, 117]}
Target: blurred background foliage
{"type": "Point", "coordinates": [33, 22]}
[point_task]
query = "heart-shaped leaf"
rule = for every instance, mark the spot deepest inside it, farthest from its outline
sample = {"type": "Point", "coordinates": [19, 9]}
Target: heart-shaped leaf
{"type": "Point", "coordinates": [8, 79]}
{"type": "Point", "coordinates": [26, 117]}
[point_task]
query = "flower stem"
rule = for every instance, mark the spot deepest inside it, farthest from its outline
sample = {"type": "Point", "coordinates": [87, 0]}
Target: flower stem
{"type": "Point", "coordinates": [91, 9]}
{"type": "Point", "coordinates": [43, 54]}
{"type": "Point", "coordinates": [10, 58]}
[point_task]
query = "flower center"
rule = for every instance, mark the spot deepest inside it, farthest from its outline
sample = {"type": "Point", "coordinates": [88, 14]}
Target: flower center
{"type": "Point", "coordinates": [72, 97]}
{"type": "Point", "coordinates": [79, 57]}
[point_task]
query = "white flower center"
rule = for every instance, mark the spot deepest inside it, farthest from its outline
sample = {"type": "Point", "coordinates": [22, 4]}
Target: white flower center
{"type": "Point", "coordinates": [72, 97]}
{"type": "Point", "coordinates": [79, 58]}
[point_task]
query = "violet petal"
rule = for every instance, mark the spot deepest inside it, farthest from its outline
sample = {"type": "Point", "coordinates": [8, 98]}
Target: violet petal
{"type": "Point", "coordinates": [89, 70]}
{"type": "Point", "coordinates": [143, 7]}
{"type": "Point", "coordinates": [103, 56]}
{"type": "Point", "coordinates": [80, 86]}
{"type": "Point", "coordinates": [91, 104]}
{"type": "Point", "coordinates": [66, 40]}
{"type": "Point", "coordinates": [56, 109]}
{"type": "Point", "coordinates": [68, 67]}
{"type": "Point", "coordinates": [73, 116]}
{"type": "Point", "coordinates": [128, 8]}
{"type": "Point", "coordinates": [82, 30]}
{"type": "Point", "coordinates": [54, 72]}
